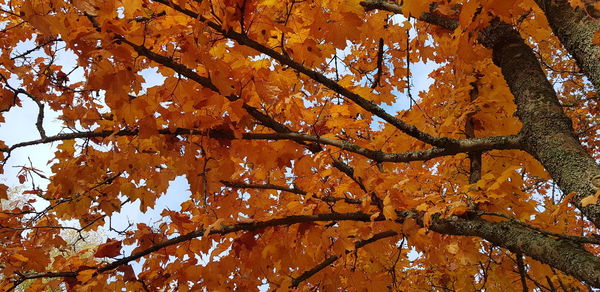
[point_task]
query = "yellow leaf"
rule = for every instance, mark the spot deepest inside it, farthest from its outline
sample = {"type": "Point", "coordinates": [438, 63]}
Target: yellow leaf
{"type": "Point", "coordinates": [245, 220]}
{"type": "Point", "coordinates": [591, 199]}
{"type": "Point", "coordinates": [269, 3]}
{"type": "Point", "coordinates": [459, 210]}
{"type": "Point", "coordinates": [213, 225]}
{"type": "Point", "coordinates": [374, 216]}
{"type": "Point", "coordinates": [269, 249]}
{"type": "Point", "coordinates": [19, 257]}
{"type": "Point", "coordinates": [67, 146]}
{"type": "Point", "coordinates": [453, 248]}
{"type": "Point", "coordinates": [352, 6]}
{"type": "Point", "coordinates": [422, 207]}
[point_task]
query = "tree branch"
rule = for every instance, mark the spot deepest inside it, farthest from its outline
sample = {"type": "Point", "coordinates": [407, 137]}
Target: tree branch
{"type": "Point", "coordinates": [330, 260]}
{"type": "Point", "coordinates": [40, 117]}
{"type": "Point", "coordinates": [548, 132]}
{"type": "Point", "coordinates": [222, 230]}
{"type": "Point", "coordinates": [575, 29]}
{"type": "Point", "coordinates": [364, 103]}
{"type": "Point", "coordinates": [429, 17]}
{"type": "Point", "coordinates": [242, 185]}
{"type": "Point", "coordinates": [379, 64]}
{"type": "Point", "coordinates": [462, 146]}
{"type": "Point", "coordinates": [522, 272]}
{"type": "Point", "coordinates": [569, 257]}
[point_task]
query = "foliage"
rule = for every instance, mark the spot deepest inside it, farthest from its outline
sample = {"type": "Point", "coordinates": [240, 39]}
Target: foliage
{"type": "Point", "coordinates": [281, 116]}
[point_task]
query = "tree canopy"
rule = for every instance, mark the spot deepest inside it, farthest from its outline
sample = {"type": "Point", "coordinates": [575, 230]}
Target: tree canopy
{"type": "Point", "coordinates": [305, 169]}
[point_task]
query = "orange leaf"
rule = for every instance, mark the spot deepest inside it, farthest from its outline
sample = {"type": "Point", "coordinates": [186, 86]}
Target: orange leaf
{"type": "Point", "coordinates": [415, 7]}
{"type": "Point", "coordinates": [453, 248]}
{"type": "Point", "coordinates": [388, 210]}
{"type": "Point", "coordinates": [563, 205]}
{"type": "Point", "coordinates": [85, 275]}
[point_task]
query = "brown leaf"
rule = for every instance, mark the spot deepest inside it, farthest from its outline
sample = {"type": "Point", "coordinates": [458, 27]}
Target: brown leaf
{"type": "Point", "coordinates": [110, 249]}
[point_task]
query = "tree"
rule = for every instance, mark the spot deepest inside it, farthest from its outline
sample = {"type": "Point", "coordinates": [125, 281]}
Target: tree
{"type": "Point", "coordinates": [301, 174]}
{"type": "Point", "coordinates": [76, 239]}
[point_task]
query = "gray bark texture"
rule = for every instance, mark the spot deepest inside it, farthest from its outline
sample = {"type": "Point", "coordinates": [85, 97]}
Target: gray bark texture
{"type": "Point", "coordinates": [547, 132]}
{"type": "Point", "coordinates": [575, 28]}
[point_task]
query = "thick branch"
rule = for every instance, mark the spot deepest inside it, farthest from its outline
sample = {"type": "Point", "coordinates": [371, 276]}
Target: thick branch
{"type": "Point", "coordinates": [221, 230]}
{"type": "Point", "coordinates": [462, 146]}
{"type": "Point", "coordinates": [575, 28]}
{"type": "Point", "coordinates": [522, 272]}
{"type": "Point", "coordinates": [564, 255]}
{"type": "Point", "coordinates": [435, 19]}
{"type": "Point", "coordinates": [548, 132]}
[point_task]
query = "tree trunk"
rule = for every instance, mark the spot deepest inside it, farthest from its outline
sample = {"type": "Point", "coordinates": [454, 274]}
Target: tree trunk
{"type": "Point", "coordinates": [548, 132]}
{"type": "Point", "coordinates": [575, 28]}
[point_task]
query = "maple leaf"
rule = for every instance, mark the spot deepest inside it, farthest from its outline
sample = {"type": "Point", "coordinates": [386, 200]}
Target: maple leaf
{"type": "Point", "coordinates": [372, 144]}
{"type": "Point", "coordinates": [415, 8]}
{"type": "Point", "coordinates": [110, 249]}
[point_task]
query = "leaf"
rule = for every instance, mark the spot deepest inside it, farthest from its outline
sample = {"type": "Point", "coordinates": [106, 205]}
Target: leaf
{"type": "Point", "coordinates": [459, 209]}
{"type": "Point", "coordinates": [415, 7]}
{"type": "Point", "coordinates": [259, 141]}
{"type": "Point", "coordinates": [85, 275]}
{"type": "Point", "coordinates": [467, 13]}
{"type": "Point", "coordinates": [591, 199]}
{"type": "Point", "coordinates": [3, 191]}
{"type": "Point", "coordinates": [502, 6]}
{"type": "Point", "coordinates": [19, 257]}
{"type": "Point", "coordinates": [128, 273]}
{"type": "Point", "coordinates": [453, 248]}
{"type": "Point", "coordinates": [388, 209]}
{"type": "Point", "coordinates": [110, 249]}
{"type": "Point", "coordinates": [562, 207]}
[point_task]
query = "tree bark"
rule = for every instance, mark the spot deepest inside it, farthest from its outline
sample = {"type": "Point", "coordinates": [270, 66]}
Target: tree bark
{"type": "Point", "coordinates": [575, 28]}
{"type": "Point", "coordinates": [548, 132]}
{"type": "Point", "coordinates": [560, 254]}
